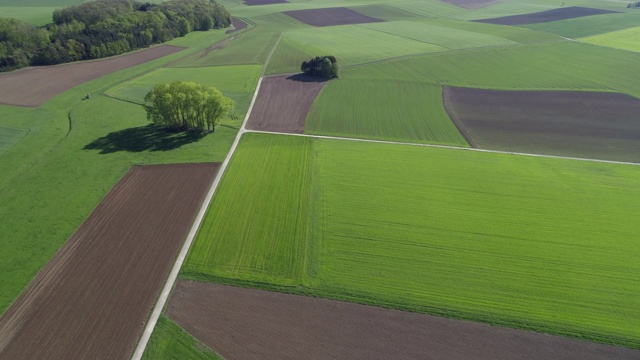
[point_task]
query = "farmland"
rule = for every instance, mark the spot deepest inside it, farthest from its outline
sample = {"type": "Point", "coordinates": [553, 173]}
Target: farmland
{"type": "Point", "coordinates": [440, 230]}
{"type": "Point", "coordinates": [245, 323]}
{"type": "Point", "coordinates": [384, 250]}
{"type": "Point", "coordinates": [118, 258]}
{"type": "Point", "coordinates": [391, 110]}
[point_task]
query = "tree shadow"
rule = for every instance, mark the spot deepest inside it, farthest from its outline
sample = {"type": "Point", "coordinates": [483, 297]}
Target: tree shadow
{"type": "Point", "coordinates": [306, 78]}
{"type": "Point", "coordinates": [143, 138]}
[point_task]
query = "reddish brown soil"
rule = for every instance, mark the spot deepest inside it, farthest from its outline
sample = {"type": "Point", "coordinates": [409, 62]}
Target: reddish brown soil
{"type": "Point", "coordinates": [331, 17]}
{"type": "Point", "coordinates": [33, 86]}
{"type": "Point", "coordinates": [472, 4]}
{"type": "Point", "coordinates": [254, 324]}
{"type": "Point", "coordinates": [283, 103]}
{"type": "Point", "coordinates": [237, 25]}
{"type": "Point", "coordinates": [263, 2]}
{"type": "Point", "coordinates": [565, 123]}
{"type": "Point", "coordinates": [546, 16]}
{"type": "Point", "coordinates": [92, 300]}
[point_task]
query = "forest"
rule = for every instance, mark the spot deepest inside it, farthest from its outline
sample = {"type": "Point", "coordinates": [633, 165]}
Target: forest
{"type": "Point", "coordinates": [104, 28]}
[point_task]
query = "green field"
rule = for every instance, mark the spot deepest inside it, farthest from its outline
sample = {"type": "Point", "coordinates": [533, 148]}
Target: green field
{"type": "Point", "coordinates": [9, 137]}
{"type": "Point", "coordinates": [589, 25]}
{"type": "Point", "coordinates": [383, 110]}
{"type": "Point", "coordinates": [563, 65]}
{"type": "Point", "coordinates": [236, 82]}
{"type": "Point", "coordinates": [170, 342]}
{"type": "Point", "coordinates": [254, 207]}
{"type": "Point", "coordinates": [533, 243]}
{"type": "Point", "coordinates": [626, 39]}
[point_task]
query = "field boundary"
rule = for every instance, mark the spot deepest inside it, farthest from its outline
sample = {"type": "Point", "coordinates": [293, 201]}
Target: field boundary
{"type": "Point", "coordinates": [448, 147]}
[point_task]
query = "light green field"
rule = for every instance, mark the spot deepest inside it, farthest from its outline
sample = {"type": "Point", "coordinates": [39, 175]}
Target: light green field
{"type": "Point", "coordinates": [589, 25]}
{"type": "Point", "coordinates": [627, 39]}
{"type": "Point", "coordinates": [383, 110]}
{"type": "Point", "coordinates": [9, 137]}
{"type": "Point", "coordinates": [561, 66]}
{"type": "Point", "coordinates": [288, 57]}
{"type": "Point", "coordinates": [447, 37]}
{"type": "Point", "coordinates": [252, 204]}
{"type": "Point", "coordinates": [512, 33]}
{"type": "Point", "coordinates": [170, 342]}
{"type": "Point", "coordinates": [385, 12]}
{"type": "Point", "coordinates": [56, 174]}
{"type": "Point", "coordinates": [505, 8]}
{"type": "Point", "coordinates": [355, 44]}
{"type": "Point", "coordinates": [236, 82]}
{"type": "Point", "coordinates": [33, 15]}
{"type": "Point", "coordinates": [429, 8]}
{"type": "Point", "coordinates": [534, 243]}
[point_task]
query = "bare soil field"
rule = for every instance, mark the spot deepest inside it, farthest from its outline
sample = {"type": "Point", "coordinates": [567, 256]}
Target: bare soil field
{"type": "Point", "coordinates": [472, 4]}
{"type": "Point", "coordinates": [283, 103]}
{"type": "Point", "coordinates": [92, 300]}
{"type": "Point", "coordinates": [237, 25]}
{"type": "Point", "coordinates": [243, 323]}
{"type": "Point", "coordinates": [263, 2]}
{"type": "Point", "coordinates": [33, 86]}
{"type": "Point", "coordinates": [331, 17]}
{"type": "Point", "coordinates": [566, 123]}
{"type": "Point", "coordinates": [546, 16]}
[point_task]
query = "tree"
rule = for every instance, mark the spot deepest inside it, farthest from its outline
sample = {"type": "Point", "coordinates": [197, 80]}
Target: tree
{"type": "Point", "coordinates": [183, 105]}
{"type": "Point", "coordinates": [322, 66]}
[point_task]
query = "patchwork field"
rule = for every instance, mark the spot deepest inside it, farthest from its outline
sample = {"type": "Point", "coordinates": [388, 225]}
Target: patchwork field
{"type": "Point", "coordinates": [390, 110]}
{"type": "Point", "coordinates": [626, 39]}
{"type": "Point", "coordinates": [93, 298]}
{"type": "Point", "coordinates": [35, 85]}
{"type": "Point", "coordinates": [472, 4]}
{"type": "Point", "coordinates": [546, 16]}
{"type": "Point", "coordinates": [582, 124]}
{"type": "Point", "coordinates": [330, 16]}
{"type": "Point", "coordinates": [532, 243]}
{"type": "Point", "coordinates": [244, 323]}
{"type": "Point", "coordinates": [283, 103]}
{"type": "Point", "coordinates": [589, 25]}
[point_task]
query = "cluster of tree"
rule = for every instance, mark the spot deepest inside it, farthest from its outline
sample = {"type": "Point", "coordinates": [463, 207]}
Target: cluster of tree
{"type": "Point", "coordinates": [634, 4]}
{"type": "Point", "coordinates": [182, 105]}
{"type": "Point", "coordinates": [322, 66]}
{"type": "Point", "coordinates": [104, 28]}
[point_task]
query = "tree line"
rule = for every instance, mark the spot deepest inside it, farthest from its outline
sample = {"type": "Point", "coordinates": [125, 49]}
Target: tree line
{"type": "Point", "coordinates": [104, 28]}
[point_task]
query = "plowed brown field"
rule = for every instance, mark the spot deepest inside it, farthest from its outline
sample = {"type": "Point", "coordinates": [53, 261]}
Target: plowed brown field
{"type": "Point", "coordinates": [546, 16]}
{"type": "Point", "coordinates": [331, 17]}
{"type": "Point", "coordinates": [237, 25]}
{"type": "Point", "coordinates": [283, 103]}
{"type": "Point", "coordinates": [582, 124]}
{"type": "Point", "coordinates": [254, 324]}
{"type": "Point", "coordinates": [472, 4]}
{"type": "Point", "coordinates": [33, 86]}
{"type": "Point", "coordinates": [91, 301]}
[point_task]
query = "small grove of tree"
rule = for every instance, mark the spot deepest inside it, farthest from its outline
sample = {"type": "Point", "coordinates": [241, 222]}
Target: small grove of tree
{"type": "Point", "coordinates": [102, 28]}
{"type": "Point", "coordinates": [183, 105]}
{"type": "Point", "coordinates": [634, 5]}
{"type": "Point", "coordinates": [322, 66]}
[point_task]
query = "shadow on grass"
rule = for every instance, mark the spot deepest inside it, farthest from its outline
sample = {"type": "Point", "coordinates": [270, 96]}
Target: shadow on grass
{"type": "Point", "coordinates": [143, 138]}
{"type": "Point", "coordinates": [306, 78]}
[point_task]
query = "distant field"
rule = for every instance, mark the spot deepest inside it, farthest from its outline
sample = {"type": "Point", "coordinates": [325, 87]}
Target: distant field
{"type": "Point", "coordinates": [384, 110]}
{"type": "Point", "coordinates": [9, 137]}
{"type": "Point", "coordinates": [265, 195]}
{"type": "Point", "coordinates": [236, 82]}
{"type": "Point", "coordinates": [288, 57]}
{"type": "Point", "coordinates": [355, 44]}
{"type": "Point", "coordinates": [331, 16]}
{"type": "Point", "coordinates": [505, 8]}
{"type": "Point", "coordinates": [565, 123]}
{"type": "Point", "coordinates": [385, 12]}
{"type": "Point", "coordinates": [546, 16]}
{"type": "Point", "coordinates": [512, 33]}
{"type": "Point", "coordinates": [553, 66]}
{"type": "Point", "coordinates": [429, 8]}
{"type": "Point", "coordinates": [542, 244]}
{"type": "Point", "coordinates": [33, 15]}
{"type": "Point", "coordinates": [590, 25]}
{"type": "Point", "coordinates": [626, 39]}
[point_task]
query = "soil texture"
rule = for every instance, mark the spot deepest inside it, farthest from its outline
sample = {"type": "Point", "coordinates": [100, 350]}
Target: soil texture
{"type": "Point", "coordinates": [237, 25]}
{"type": "Point", "coordinates": [92, 300]}
{"type": "Point", "coordinates": [33, 86]}
{"type": "Point", "coordinates": [546, 16]}
{"type": "Point", "coordinates": [582, 124]}
{"type": "Point", "coordinates": [243, 323]}
{"type": "Point", "coordinates": [283, 103]}
{"type": "Point", "coordinates": [331, 17]}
